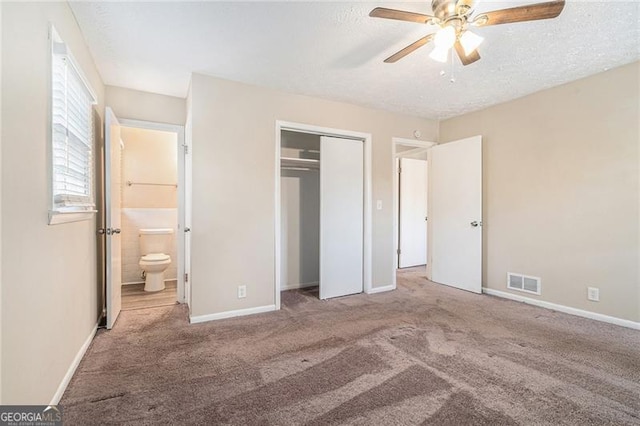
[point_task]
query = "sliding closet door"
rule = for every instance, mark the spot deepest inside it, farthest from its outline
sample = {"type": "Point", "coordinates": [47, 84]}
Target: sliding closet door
{"type": "Point", "coordinates": [341, 216]}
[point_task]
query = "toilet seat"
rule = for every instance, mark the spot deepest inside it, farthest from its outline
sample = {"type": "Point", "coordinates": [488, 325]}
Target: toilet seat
{"type": "Point", "coordinates": [155, 257]}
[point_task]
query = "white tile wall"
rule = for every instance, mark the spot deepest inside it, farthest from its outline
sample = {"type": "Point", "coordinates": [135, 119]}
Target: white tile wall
{"type": "Point", "coordinates": [132, 221]}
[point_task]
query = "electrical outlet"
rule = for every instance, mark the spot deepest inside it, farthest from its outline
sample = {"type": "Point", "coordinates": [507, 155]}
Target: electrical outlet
{"type": "Point", "coordinates": [593, 294]}
{"type": "Point", "coordinates": [242, 291]}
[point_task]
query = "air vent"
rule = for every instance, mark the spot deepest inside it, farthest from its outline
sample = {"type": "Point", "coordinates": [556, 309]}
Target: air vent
{"type": "Point", "coordinates": [523, 283]}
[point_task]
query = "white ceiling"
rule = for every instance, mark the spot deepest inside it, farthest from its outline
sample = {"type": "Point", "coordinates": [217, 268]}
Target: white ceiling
{"type": "Point", "coordinates": [334, 50]}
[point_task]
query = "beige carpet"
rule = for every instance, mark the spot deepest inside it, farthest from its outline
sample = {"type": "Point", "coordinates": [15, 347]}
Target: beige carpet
{"type": "Point", "coordinates": [422, 355]}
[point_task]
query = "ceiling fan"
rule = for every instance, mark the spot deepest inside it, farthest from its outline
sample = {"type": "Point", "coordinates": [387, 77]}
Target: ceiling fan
{"type": "Point", "coordinates": [454, 19]}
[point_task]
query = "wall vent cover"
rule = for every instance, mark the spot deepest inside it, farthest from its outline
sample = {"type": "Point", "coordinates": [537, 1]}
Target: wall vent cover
{"type": "Point", "coordinates": [524, 283]}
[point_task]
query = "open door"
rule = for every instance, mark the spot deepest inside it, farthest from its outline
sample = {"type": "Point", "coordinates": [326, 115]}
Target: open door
{"type": "Point", "coordinates": [455, 214]}
{"type": "Point", "coordinates": [113, 197]}
{"type": "Point", "coordinates": [185, 167]}
{"type": "Point", "coordinates": [341, 216]}
{"type": "Point", "coordinates": [413, 213]}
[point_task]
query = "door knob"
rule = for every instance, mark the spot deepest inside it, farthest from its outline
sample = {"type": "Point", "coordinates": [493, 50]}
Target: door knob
{"type": "Point", "coordinates": [116, 230]}
{"type": "Point", "coordinates": [475, 223]}
{"type": "Point", "coordinates": [187, 229]}
{"type": "Point", "coordinates": [101, 231]}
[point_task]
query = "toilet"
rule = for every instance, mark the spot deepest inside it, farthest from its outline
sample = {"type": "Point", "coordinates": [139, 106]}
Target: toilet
{"type": "Point", "coordinates": [154, 245]}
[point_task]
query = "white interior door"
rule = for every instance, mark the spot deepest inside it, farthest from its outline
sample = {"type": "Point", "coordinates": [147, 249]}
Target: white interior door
{"type": "Point", "coordinates": [184, 213]}
{"type": "Point", "coordinates": [187, 220]}
{"type": "Point", "coordinates": [455, 214]}
{"type": "Point", "coordinates": [341, 216]}
{"type": "Point", "coordinates": [113, 197]}
{"type": "Point", "coordinates": [413, 213]}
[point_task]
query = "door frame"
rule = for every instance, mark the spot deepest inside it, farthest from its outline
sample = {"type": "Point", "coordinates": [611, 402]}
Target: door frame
{"type": "Point", "coordinates": [367, 192]}
{"type": "Point", "coordinates": [396, 202]}
{"type": "Point", "coordinates": [184, 195]}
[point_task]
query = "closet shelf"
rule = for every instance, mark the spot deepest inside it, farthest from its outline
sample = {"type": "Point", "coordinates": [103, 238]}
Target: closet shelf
{"type": "Point", "coordinates": [291, 162]}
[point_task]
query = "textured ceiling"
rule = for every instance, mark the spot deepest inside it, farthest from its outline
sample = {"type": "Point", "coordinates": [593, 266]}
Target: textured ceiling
{"type": "Point", "coordinates": [334, 50]}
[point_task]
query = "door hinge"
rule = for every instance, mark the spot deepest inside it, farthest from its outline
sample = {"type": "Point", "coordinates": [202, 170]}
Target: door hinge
{"type": "Point", "coordinates": [186, 149]}
{"type": "Point", "coordinates": [186, 278]}
{"type": "Point", "coordinates": [398, 251]}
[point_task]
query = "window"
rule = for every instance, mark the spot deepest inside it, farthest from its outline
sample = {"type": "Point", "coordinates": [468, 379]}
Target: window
{"type": "Point", "coordinates": [71, 137]}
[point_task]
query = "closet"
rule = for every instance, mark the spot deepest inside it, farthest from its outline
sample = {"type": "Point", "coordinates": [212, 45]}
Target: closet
{"type": "Point", "coordinates": [321, 213]}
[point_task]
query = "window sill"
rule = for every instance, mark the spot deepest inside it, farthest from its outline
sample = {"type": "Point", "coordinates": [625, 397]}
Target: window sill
{"type": "Point", "coordinates": [56, 217]}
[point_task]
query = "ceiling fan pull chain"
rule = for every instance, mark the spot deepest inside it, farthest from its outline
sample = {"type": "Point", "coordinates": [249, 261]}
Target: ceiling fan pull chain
{"type": "Point", "coordinates": [453, 77]}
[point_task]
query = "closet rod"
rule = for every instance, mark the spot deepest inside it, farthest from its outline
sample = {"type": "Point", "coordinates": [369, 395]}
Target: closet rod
{"type": "Point", "coordinates": [301, 169]}
{"type": "Point", "coordinates": [299, 160]}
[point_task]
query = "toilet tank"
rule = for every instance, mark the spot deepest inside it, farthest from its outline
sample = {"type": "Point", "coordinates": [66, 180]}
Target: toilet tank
{"type": "Point", "coordinates": [155, 240]}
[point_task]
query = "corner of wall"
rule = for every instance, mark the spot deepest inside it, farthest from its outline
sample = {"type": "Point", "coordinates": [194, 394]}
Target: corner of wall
{"type": "Point", "coordinates": [1, 299]}
{"type": "Point", "coordinates": [145, 106]}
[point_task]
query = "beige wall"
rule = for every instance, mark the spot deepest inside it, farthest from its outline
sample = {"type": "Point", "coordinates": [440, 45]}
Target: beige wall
{"type": "Point", "coordinates": [234, 185]}
{"type": "Point", "coordinates": [51, 268]}
{"type": "Point", "coordinates": [149, 156]}
{"type": "Point", "coordinates": [144, 106]}
{"type": "Point", "coordinates": [561, 190]}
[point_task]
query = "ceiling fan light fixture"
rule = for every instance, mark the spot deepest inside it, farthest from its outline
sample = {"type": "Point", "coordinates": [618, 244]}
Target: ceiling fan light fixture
{"type": "Point", "coordinates": [470, 42]}
{"type": "Point", "coordinates": [440, 54]}
{"type": "Point", "coordinates": [445, 37]}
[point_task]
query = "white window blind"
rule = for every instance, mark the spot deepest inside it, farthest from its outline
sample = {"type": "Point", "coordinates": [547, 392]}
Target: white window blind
{"type": "Point", "coordinates": [72, 132]}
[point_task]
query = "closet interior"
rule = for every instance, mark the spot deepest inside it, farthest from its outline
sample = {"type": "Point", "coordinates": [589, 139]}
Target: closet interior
{"type": "Point", "coordinates": [300, 210]}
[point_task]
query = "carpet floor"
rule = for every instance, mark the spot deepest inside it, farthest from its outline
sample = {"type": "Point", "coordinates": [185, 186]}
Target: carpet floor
{"type": "Point", "coordinates": [424, 354]}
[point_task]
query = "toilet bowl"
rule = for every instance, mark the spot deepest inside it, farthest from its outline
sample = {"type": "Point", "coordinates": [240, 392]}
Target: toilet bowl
{"type": "Point", "coordinates": [154, 244]}
{"type": "Point", "coordinates": [154, 266]}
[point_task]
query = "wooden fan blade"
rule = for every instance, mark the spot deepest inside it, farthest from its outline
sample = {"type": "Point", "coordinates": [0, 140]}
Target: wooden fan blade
{"type": "Point", "coordinates": [531, 12]}
{"type": "Point", "coordinates": [410, 48]}
{"type": "Point", "coordinates": [400, 15]}
{"type": "Point", "coordinates": [466, 59]}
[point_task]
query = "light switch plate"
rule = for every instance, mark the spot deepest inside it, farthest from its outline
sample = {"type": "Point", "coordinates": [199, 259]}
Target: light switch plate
{"type": "Point", "coordinates": [379, 205]}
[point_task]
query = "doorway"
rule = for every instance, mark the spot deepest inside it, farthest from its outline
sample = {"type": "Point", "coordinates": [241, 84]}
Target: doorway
{"type": "Point", "coordinates": [412, 211]}
{"type": "Point", "coordinates": [336, 166]}
{"type": "Point", "coordinates": [144, 223]}
{"type": "Point", "coordinates": [410, 187]}
{"type": "Point", "coordinates": [454, 209]}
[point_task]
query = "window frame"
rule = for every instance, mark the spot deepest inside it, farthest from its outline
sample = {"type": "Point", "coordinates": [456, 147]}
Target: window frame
{"type": "Point", "coordinates": [69, 210]}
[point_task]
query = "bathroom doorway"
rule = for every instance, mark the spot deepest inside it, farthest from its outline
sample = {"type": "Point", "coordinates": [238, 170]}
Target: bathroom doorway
{"type": "Point", "coordinates": [145, 228]}
{"type": "Point", "coordinates": [410, 202]}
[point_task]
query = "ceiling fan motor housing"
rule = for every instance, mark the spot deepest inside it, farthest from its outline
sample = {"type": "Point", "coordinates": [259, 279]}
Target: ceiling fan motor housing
{"type": "Point", "coordinates": [445, 9]}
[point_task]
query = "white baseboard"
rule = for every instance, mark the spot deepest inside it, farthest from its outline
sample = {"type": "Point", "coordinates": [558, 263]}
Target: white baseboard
{"type": "Point", "coordinates": [297, 286]}
{"type": "Point", "coordinates": [72, 368]}
{"type": "Point", "coordinates": [231, 314]}
{"type": "Point", "coordinates": [381, 289]}
{"type": "Point", "coordinates": [562, 308]}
